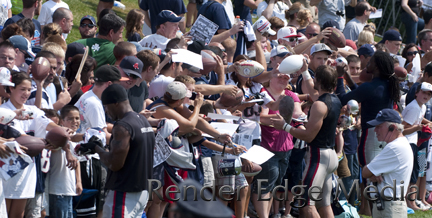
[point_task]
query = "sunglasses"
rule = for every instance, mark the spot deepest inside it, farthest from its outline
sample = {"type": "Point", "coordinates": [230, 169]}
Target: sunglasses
{"type": "Point", "coordinates": [410, 53]}
{"type": "Point", "coordinates": [312, 34]}
{"type": "Point", "coordinates": [87, 24]}
{"type": "Point", "coordinates": [292, 39]}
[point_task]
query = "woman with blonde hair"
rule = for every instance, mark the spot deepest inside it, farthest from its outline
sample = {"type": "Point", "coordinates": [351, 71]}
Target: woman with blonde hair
{"type": "Point", "coordinates": [365, 37]}
{"type": "Point", "coordinates": [134, 25]}
{"type": "Point", "coordinates": [50, 29]}
{"type": "Point", "coordinates": [292, 13]}
{"type": "Point", "coordinates": [304, 18]}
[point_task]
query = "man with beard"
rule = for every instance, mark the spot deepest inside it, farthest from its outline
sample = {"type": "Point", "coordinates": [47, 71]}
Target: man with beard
{"type": "Point", "coordinates": [87, 27]}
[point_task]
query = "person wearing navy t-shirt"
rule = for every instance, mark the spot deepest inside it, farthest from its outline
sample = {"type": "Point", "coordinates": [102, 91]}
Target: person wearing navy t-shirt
{"type": "Point", "coordinates": [154, 7]}
{"type": "Point", "coordinates": [30, 9]}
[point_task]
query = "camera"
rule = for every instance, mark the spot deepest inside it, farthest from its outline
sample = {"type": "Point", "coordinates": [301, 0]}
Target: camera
{"type": "Point", "coordinates": [259, 96]}
{"type": "Point", "coordinates": [29, 113]}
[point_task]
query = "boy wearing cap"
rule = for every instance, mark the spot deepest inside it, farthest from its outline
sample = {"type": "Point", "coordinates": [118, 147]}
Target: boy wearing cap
{"type": "Point", "coordinates": [23, 50]}
{"type": "Point", "coordinates": [413, 118]}
{"type": "Point", "coordinates": [130, 69]}
{"type": "Point", "coordinates": [101, 48]}
{"type": "Point", "coordinates": [47, 10]}
{"type": "Point", "coordinates": [365, 52]}
{"type": "Point", "coordinates": [87, 27]}
{"type": "Point", "coordinates": [288, 36]}
{"type": "Point", "coordinates": [392, 40]}
{"type": "Point", "coordinates": [394, 162]}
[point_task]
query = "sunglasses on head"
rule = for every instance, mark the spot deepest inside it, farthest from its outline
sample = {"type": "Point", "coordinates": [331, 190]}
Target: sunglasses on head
{"type": "Point", "coordinates": [410, 53]}
{"type": "Point", "coordinates": [87, 24]}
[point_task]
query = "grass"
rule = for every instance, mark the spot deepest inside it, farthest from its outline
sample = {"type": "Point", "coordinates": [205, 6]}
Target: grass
{"type": "Point", "coordinates": [417, 214]}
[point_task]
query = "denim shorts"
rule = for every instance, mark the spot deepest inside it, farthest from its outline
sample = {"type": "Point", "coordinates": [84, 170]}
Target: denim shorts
{"type": "Point", "coordinates": [60, 206]}
{"type": "Point", "coordinates": [273, 170]}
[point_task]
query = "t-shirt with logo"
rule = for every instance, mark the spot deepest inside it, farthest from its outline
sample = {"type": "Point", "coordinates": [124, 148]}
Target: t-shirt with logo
{"type": "Point", "coordinates": [5, 6]}
{"type": "Point", "coordinates": [38, 30]}
{"type": "Point", "coordinates": [101, 50]}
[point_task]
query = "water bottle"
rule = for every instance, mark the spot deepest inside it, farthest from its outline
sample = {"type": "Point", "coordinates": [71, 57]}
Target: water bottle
{"type": "Point", "coordinates": [119, 5]}
{"type": "Point", "coordinates": [237, 20]}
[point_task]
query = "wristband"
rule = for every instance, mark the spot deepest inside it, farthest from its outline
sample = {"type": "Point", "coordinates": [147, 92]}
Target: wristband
{"type": "Point", "coordinates": [306, 75]}
{"type": "Point", "coordinates": [287, 127]}
{"type": "Point", "coordinates": [341, 77]}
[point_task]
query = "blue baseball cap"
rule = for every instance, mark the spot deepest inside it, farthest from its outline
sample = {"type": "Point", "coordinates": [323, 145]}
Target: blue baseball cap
{"type": "Point", "coordinates": [18, 41]}
{"type": "Point", "coordinates": [386, 115]}
{"type": "Point", "coordinates": [73, 49]}
{"type": "Point", "coordinates": [88, 17]}
{"type": "Point", "coordinates": [330, 23]}
{"type": "Point", "coordinates": [391, 35]}
{"type": "Point", "coordinates": [167, 16]}
{"type": "Point", "coordinates": [366, 49]}
{"type": "Point", "coordinates": [131, 65]}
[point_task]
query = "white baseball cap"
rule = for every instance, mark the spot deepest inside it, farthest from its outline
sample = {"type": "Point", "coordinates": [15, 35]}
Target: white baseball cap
{"type": "Point", "coordinates": [280, 51]}
{"type": "Point", "coordinates": [287, 32]}
{"type": "Point", "coordinates": [178, 90]}
{"type": "Point", "coordinates": [263, 25]}
{"type": "Point", "coordinates": [5, 77]}
{"type": "Point", "coordinates": [426, 87]}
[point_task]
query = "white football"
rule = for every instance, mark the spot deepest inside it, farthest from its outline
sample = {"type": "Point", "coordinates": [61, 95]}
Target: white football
{"type": "Point", "coordinates": [291, 64]}
{"type": "Point", "coordinates": [250, 68]}
{"type": "Point", "coordinates": [341, 60]}
{"type": "Point", "coordinates": [6, 115]}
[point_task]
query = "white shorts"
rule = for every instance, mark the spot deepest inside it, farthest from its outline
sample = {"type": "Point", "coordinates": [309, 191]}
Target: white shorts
{"type": "Point", "coordinates": [208, 170]}
{"type": "Point", "coordinates": [22, 185]}
{"type": "Point", "coordinates": [34, 206]}
{"type": "Point", "coordinates": [125, 204]}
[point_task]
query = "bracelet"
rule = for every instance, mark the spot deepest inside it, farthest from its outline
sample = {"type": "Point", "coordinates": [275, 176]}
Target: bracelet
{"type": "Point", "coordinates": [287, 127]}
{"type": "Point", "coordinates": [341, 77]}
{"type": "Point", "coordinates": [306, 75]}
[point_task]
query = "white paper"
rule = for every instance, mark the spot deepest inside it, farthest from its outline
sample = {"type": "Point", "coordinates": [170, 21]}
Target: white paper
{"type": "Point", "coordinates": [257, 154]}
{"type": "Point", "coordinates": [401, 60]}
{"type": "Point", "coordinates": [223, 128]}
{"type": "Point", "coordinates": [415, 70]}
{"type": "Point", "coordinates": [253, 101]}
{"type": "Point", "coordinates": [377, 14]}
{"type": "Point", "coordinates": [188, 57]}
{"type": "Point", "coordinates": [203, 29]}
{"type": "Point", "coordinates": [222, 117]}
{"type": "Point", "coordinates": [243, 139]}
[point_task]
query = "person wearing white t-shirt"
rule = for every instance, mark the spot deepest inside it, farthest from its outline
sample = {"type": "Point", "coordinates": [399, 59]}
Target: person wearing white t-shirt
{"type": "Point", "coordinates": [413, 116]}
{"type": "Point", "coordinates": [167, 27]}
{"type": "Point", "coordinates": [47, 10]}
{"type": "Point", "coordinates": [166, 76]}
{"type": "Point", "coordinates": [5, 11]}
{"type": "Point", "coordinates": [394, 162]}
{"type": "Point", "coordinates": [274, 8]}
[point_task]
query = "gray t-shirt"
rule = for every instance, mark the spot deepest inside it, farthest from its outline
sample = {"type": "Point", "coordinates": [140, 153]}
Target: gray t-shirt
{"type": "Point", "coordinates": [327, 11]}
{"type": "Point", "coordinates": [353, 29]}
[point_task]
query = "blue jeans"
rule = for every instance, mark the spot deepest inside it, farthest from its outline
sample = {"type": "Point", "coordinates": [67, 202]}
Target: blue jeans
{"type": "Point", "coordinates": [411, 27]}
{"type": "Point", "coordinates": [273, 170]}
{"type": "Point", "coordinates": [294, 173]}
{"type": "Point", "coordinates": [354, 168]}
{"type": "Point", "coordinates": [60, 206]}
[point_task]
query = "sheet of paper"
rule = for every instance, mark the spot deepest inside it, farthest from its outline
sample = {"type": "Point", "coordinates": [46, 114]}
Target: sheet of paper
{"type": "Point", "coordinates": [223, 128]}
{"type": "Point", "coordinates": [162, 150]}
{"type": "Point", "coordinates": [257, 154]}
{"type": "Point", "coordinates": [203, 29]}
{"type": "Point", "coordinates": [186, 56]}
{"type": "Point", "coordinates": [416, 68]}
{"type": "Point", "coordinates": [253, 101]}
{"type": "Point", "coordinates": [401, 60]}
{"type": "Point", "coordinates": [222, 117]}
{"type": "Point", "coordinates": [377, 14]}
{"type": "Point", "coordinates": [243, 139]}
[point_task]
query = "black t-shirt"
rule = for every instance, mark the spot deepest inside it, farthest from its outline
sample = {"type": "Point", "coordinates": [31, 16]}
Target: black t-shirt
{"type": "Point", "coordinates": [137, 96]}
{"type": "Point", "coordinates": [138, 166]}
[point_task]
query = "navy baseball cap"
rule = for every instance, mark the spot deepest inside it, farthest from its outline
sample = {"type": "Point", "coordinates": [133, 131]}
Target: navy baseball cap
{"type": "Point", "coordinates": [330, 23]}
{"type": "Point", "coordinates": [391, 35]}
{"type": "Point", "coordinates": [131, 65]}
{"type": "Point", "coordinates": [386, 115]}
{"type": "Point", "coordinates": [366, 49]}
{"type": "Point", "coordinates": [18, 41]}
{"type": "Point", "coordinates": [73, 49]}
{"type": "Point", "coordinates": [88, 17]}
{"type": "Point", "coordinates": [167, 16]}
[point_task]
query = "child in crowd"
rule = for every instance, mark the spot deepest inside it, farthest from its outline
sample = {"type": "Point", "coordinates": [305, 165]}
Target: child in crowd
{"type": "Point", "coordinates": [413, 118]}
{"type": "Point", "coordinates": [134, 25]}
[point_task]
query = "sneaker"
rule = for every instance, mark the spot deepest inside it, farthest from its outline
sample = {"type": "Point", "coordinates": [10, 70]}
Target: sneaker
{"type": "Point", "coordinates": [421, 205]}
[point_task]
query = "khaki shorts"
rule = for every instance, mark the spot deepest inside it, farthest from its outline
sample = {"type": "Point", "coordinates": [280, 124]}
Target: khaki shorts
{"type": "Point", "coordinates": [392, 209]}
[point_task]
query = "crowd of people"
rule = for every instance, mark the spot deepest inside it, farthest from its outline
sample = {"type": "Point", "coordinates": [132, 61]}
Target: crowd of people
{"type": "Point", "coordinates": [142, 125]}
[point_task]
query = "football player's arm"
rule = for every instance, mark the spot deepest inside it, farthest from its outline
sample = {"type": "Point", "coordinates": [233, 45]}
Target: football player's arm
{"type": "Point", "coordinates": [115, 158]}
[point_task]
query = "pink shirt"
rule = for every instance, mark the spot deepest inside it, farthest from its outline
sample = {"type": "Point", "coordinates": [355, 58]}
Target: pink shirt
{"type": "Point", "coordinates": [277, 140]}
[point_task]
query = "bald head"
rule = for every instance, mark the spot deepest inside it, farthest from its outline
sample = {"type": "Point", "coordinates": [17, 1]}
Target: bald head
{"type": "Point", "coordinates": [61, 13]}
{"type": "Point", "coordinates": [312, 30]}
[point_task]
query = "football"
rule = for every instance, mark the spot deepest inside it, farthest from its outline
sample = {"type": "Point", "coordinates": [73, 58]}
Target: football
{"type": "Point", "coordinates": [337, 38]}
{"type": "Point", "coordinates": [57, 137]}
{"type": "Point", "coordinates": [6, 115]}
{"type": "Point", "coordinates": [286, 108]}
{"type": "Point", "coordinates": [256, 169]}
{"type": "Point", "coordinates": [400, 73]}
{"type": "Point", "coordinates": [365, 76]}
{"type": "Point", "coordinates": [40, 68]}
{"type": "Point", "coordinates": [250, 68]}
{"type": "Point", "coordinates": [209, 62]}
{"type": "Point", "coordinates": [228, 100]}
{"type": "Point", "coordinates": [34, 145]}
{"type": "Point", "coordinates": [291, 64]}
